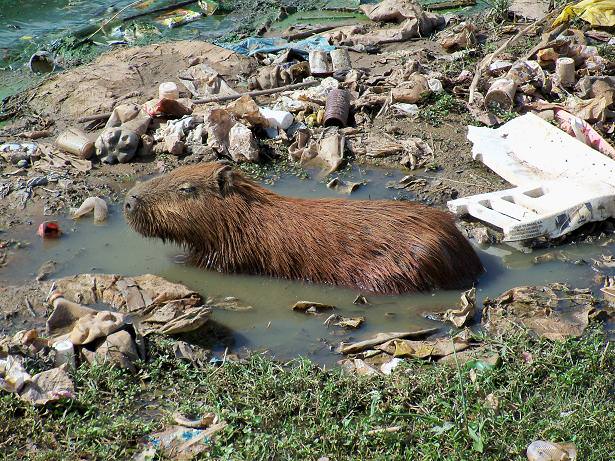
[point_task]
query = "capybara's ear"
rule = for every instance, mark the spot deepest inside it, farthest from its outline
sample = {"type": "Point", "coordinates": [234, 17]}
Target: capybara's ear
{"type": "Point", "coordinates": [224, 176]}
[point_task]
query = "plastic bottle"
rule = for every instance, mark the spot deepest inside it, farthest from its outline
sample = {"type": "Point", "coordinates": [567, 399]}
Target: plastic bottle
{"type": "Point", "coordinates": [168, 90]}
{"type": "Point", "coordinates": [76, 142]}
{"type": "Point", "coordinates": [65, 353]}
{"type": "Point", "coordinates": [277, 118]}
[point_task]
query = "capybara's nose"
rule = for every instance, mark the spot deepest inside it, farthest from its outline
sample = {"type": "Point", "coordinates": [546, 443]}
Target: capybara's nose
{"type": "Point", "coordinates": [130, 203]}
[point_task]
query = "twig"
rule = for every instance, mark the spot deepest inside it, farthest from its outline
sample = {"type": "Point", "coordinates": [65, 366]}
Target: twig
{"type": "Point", "coordinates": [160, 10]}
{"type": "Point", "coordinates": [606, 348]}
{"type": "Point", "coordinates": [487, 60]}
{"type": "Point", "coordinates": [294, 86]}
{"type": "Point", "coordinates": [105, 23]}
{"type": "Point", "coordinates": [94, 118]}
{"type": "Point", "coordinates": [547, 40]}
{"type": "Point", "coordinates": [316, 30]}
{"type": "Point", "coordinates": [30, 308]}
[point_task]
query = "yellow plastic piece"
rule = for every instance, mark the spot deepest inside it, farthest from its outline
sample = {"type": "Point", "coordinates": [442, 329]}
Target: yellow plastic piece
{"type": "Point", "coordinates": [596, 12]}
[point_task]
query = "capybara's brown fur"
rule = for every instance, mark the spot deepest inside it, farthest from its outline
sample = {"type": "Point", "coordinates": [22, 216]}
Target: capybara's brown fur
{"type": "Point", "coordinates": [231, 224]}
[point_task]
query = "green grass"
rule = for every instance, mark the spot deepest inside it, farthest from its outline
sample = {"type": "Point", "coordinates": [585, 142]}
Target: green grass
{"type": "Point", "coordinates": [438, 107]}
{"type": "Point", "coordinates": [297, 410]}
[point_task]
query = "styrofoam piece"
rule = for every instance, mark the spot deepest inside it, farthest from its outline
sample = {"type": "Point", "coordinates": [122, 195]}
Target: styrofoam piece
{"type": "Point", "coordinates": [562, 182]}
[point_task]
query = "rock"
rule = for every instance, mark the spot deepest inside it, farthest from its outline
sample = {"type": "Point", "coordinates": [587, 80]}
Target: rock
{"type": "Point", "coordinates": [482, 235]}
{"type": "Point", "coordinates": [147, 146]}
{"type": "Point", "coordinates": [311, 307]}
{"type": "Point", "coordinates": [242, 144]}
{"type": "Point", "coordinates": [529, 9]}
{"type": "Point", "coordinates": [173, 144]}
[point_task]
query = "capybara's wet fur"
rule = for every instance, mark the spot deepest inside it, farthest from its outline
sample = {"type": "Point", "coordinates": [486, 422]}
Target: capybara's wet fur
{"type": "Point", "coordinates": [231, 224]}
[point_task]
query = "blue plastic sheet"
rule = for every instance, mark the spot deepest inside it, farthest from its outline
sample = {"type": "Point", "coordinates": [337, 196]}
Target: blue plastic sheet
{"type": "Point", "coordinates": [252, 45]}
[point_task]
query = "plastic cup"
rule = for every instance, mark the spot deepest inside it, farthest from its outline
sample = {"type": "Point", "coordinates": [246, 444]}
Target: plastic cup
{"type": "Point", "coordinates": [76, 142]}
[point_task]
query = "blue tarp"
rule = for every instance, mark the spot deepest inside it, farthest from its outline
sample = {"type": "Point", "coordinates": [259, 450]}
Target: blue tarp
{"type": "Point", "coordinates": [252, 45]}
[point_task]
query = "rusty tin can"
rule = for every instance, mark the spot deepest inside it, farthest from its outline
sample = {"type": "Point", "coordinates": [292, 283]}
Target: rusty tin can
{"type": "Point", "coordinates": [337, 108]}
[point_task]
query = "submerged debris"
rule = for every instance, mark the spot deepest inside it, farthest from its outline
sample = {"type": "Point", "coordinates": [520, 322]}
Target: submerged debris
{"type": "Point", "coordinates": [554, 311]}
{"type": "Point", "coordinates": [465, 313]}
{"type": "Point", "coordinates": [310, 307]}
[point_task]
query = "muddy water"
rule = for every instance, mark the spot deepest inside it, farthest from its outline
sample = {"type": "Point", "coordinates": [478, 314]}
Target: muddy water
{"type": "Point", "coordinates": [271, 324]}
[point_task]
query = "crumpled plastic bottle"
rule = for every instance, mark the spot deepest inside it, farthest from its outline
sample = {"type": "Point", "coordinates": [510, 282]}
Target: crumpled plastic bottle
{"type": "Point", "coordinates": [541, 450]}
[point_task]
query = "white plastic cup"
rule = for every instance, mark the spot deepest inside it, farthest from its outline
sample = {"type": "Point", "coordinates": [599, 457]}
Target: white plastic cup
{"type": "Point", "coordinates": [168, 90]}
{"type": "Point", "coordinates": [277, 118]}
{"type": "Point", "coordinates": [340, 59]}
{"type": "Point", "coordinates": [319, 63]}
{"type": "Point", "coordinates": [65, 353]}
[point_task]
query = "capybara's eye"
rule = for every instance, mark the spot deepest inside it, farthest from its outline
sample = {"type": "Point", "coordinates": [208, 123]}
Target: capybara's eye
{"type": "Point", "coordinates": [187, 188]}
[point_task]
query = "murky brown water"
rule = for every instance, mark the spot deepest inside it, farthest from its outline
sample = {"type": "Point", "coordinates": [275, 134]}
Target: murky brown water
{"type": "Point", "coordinates": [271, 325]}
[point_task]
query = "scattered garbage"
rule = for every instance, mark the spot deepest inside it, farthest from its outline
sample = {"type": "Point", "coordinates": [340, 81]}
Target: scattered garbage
{"type": "Point", "coordinates": [320, 65]}
{"type": "Point", "coordinates": [596, 12]}
{"type": "Point", "coordinates": [154, 304]}
{"type": "Point", "coordinates": [462, 315]}
{"type": "Point", "coordinates": [553, 311]}
{"type": "Point", "coordinates": [337, 108]}
{"type": "Point", "coordinates": [382, 357]}
{"type": "Point", "coordinates": [413, 22]}
{"type": "Point", "coordinates": [265, 45]}
{"type": "Point", "coordinates": [344, 322]}
{"type": "Point", "coordinates": [49, 230]}
{"type": "Point", "coordinates": [42, 62]}
{"type": "Point", "coordinates": [279, 119]}
{"type": "Point", "coordinates": [340, 59]}
{"type": "Point", "coordinates": [562, 183]}
{"type": "Point", "coordinates": [168, 90]}
{"type": "Point", "coordinates": [345, 187]}
{"type": "Point", "coordinates": [541, 450]}
{"type": "Point", "coordinates": [310, 307]}
{"type": "Point", "coordinates": [382, 338]}
{"type": "Point", "coordinates": [461, 36]}
{"type": "Point", "coordinates": [179, 17]}
{"type": "Point", "coordinates": [424, 349]}
{"type": "Point", "coordinates": [183, 442]}
{"type": "Point", "coordinates": [96, 204]}
{"type": "Point", "coordinates": [76, 141]}
{"type": "Point", "coordinates": [40, 389]}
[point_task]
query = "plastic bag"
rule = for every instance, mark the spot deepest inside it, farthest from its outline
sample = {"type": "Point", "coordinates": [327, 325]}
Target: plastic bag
{"type": "Point", "coordinates": [596, 12]}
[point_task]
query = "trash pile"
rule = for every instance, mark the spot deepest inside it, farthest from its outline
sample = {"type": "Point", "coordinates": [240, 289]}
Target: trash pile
{"type": "Point", "coordinates": [80, 330]}
{"type": "Point", "coordinates": [555, 311]}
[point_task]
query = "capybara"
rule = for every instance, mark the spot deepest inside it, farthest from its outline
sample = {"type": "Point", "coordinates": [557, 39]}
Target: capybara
{"type": "Point", "coordinates": [231, 224]}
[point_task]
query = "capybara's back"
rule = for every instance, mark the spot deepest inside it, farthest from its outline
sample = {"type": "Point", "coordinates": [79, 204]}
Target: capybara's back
{"type": "Point", "coordinates": [231, 224]}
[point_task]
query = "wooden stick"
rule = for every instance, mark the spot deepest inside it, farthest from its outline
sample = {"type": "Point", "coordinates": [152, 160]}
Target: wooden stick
{"type": "Point", "coordinates": [290, 36]}
{"type": "Point", "coordinates": [30, 308]}
{"type": "Point", "coordinates": [445, 5]}
{"type": "Point", "coordinates": [294, 86]}
{"type": "Point", "coordinates": [280, 89]}
{"type": "Point", "coordinates": [174, 6]}
{"type": "Point", "coordinates": [94, 118]}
